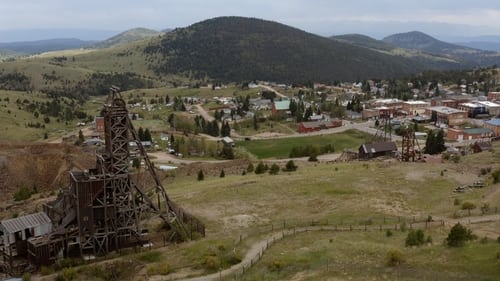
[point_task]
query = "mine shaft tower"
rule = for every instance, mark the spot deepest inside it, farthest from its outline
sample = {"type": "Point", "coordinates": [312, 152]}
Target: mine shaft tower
{"type": "Point", "coordinates": [103, 208]}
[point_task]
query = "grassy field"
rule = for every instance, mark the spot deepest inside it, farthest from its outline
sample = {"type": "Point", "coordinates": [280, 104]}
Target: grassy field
{"type": "Point", "coordinates": [343, 193]}
{"type": "Point", "coordinates": [358, 193]}
{"type": "Point", "coordinates": [280, 148]}
{"type": "Point", "coordinates": [361, 256]}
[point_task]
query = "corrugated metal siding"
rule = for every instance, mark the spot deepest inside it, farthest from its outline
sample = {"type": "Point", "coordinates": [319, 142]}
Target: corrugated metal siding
{"type": "Point", "coordinates": [25, 222]}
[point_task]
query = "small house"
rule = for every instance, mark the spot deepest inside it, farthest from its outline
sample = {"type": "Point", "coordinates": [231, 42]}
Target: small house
{"type": "Point", "coordinates": [373, 150]}
{"type": "Point", "coordinates": [15, 232]}
{"type": "Point", "coordinates": [481, 146]}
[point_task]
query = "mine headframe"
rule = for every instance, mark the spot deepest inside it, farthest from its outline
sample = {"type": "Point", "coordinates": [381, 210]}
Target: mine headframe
{"type": "Point", "coordinates": [102, 210]}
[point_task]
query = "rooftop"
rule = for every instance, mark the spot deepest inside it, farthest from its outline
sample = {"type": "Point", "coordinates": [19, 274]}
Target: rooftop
{"type": "Point", "coordinates": [416, 102]}
{"type": "Point", "coordinates": [489, 103]}
{"type": "Point", "coordinates": [445, 110]}
{"type": "Point", "coordinates": [494, 122]}
{"type": "Point", "coordinates": [282, 105]}
{"type": "Point", "coordinates": [25, 222]}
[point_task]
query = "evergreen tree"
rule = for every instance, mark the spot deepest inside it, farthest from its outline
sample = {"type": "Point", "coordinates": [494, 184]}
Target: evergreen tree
{"type": "Point", "coordinates": [222, 174]}
{"type": "Point", "coordinates": [147, 135]}
{"type": "Point", "coordinates": [201, 176]}
{"type": "Point", "coordinates": [274, 169]}
{"type": "Point", "coordinates": [439, 142]}
{"type": "Point", "coordinates": [255, 123]}
{"type": "Point", "coordinates": [429, 143]}
{"type": "Point", "coordinates": [140, 134]}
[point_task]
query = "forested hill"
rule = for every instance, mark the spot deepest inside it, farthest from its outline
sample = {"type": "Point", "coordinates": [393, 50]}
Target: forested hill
{"type": "Point", "coordinates": [238, 49]}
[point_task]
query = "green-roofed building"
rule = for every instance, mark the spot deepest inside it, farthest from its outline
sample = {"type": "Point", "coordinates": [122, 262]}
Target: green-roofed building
{"type": "Point", "coordinates": [281, 106]}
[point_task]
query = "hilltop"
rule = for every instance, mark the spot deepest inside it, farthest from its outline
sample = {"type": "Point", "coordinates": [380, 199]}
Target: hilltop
{"type": "Point", "coordinates": [126, 37]}
{"type": "Point", "coordinates": [467, 57]}
{"type": "Point", "coordinates": [237, 49]}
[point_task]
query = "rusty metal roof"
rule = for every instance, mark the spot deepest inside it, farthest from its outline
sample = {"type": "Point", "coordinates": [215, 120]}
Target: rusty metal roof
{"type": "Point", "coordinates": [24, 222]}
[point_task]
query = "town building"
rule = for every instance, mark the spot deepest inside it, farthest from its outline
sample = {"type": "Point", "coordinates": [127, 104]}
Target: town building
{"type": "Point", "coordinates": [474, 110]}
{"type": "Point", "coordinates": [414, 107]}
{"type": "Point", "coordinates": [99, 124]}
{"type": "Point", "coordinates": [447, 115]}
{"type": "Point", "coordinates": [492, 107]}
{"type": "Point", "coordinates": [493, 125]}
{"type": "Point", "coordinates": [494, 96]}
{"type": "Point", "coordinates": [469, 134]}
{"type": "Point", "coordinates": [280, 106]}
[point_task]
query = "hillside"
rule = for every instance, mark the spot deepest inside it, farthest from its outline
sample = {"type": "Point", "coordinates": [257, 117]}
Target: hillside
{"type": "Point", "coordinates": [468, 57]}
{"type": "Point", "coordinates": [364, 41]}
{"type": "Point", "coordinates": [126, 37]}
{"type": "Point", "coordinates": [237, 49]}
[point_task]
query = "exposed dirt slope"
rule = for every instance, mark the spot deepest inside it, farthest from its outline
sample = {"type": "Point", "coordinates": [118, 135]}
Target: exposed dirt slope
{"type": "Point", "coordinates": [39, 165]}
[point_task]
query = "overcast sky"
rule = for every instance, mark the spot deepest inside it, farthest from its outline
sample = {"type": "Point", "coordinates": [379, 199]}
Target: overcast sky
{"type": "Point", "coordinates": [378, 18]}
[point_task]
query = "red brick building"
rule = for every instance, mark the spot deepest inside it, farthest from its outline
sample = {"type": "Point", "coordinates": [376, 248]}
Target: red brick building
{"type": "Point", "coordinates": [494, 96]}
{"type": "Point", "coordinates": [469, 134]}
{"type": "Point", "coordinates": [99, 124]}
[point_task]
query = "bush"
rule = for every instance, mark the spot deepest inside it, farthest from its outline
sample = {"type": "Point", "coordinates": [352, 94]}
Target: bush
{"type": "Point", "coordinates": [222, 174]}
{"type": "Point", "coordinates": [458, 236]}
{"type": "Point", "coordinates": [496, 176]}
{"type": "Point", "coordinates": [394, 258]}
{"type": "Point", "coordinates": [261, 168]}
{"type": "Point", "coordinates": [388, 233]}
{"type": "Point", "coordinates": [250, 168]}
{"type": "Point", "coordinates": [290, 166]}
{"type": "Point", "coordinates": [274, 169]}
{"type": "Point", "coordinates": [201, 176]}
{"type": "Point", "coordinates": [23, 193]}
{"type": "Point", "coordinates": [415, 238]}
{"type": "Point", "coordinates": [498, 239]}
{"type": "Point", "coordinates": [275, 265]}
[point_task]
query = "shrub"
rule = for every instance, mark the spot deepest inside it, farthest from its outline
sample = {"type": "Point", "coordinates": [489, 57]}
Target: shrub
{"type": "Point", "coordinates": [496, 176]}
{"type": "Point", "coordinates": [261, 168]}
{"type": "Point", "coordinates": [498, 239]}
{"type": "Point", "coordinates": [222, 174]}
{"type": "Point", "coordinates": [201, 176]}
{"type": "Point", "coordinates": [388, 233]}
{"type": "Point", "coordinates": [457, 202]}
{"type": "Point", "coordinates": [23, 193]}
{"type": "Point", "coordinates": [250, 168]}
{"type": "Point", "coordinates": [274, 169]}
{"type": "Point", "coordinates": [458, 236]}
{"type": "Point", "coordinates": [394, 258]}
{"type": "Point", "coordinates": [290, 166]}
{"type": "Point", "coordinates": [415, 238]}
{"type": "Point", "coordinates": [212, 263]}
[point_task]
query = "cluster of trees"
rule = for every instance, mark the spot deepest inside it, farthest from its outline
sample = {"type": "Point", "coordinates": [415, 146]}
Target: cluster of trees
{"type": "Point", "coordinates": [14, 81]}
{"type": "Point", "coordinates": [262, 168]}
{"type": "Point", "coordinates": [434, 143]}
{"type": "Point", "coordinates": [207, 127]}
{"type": "Point", "coordinates": [178, 104]}
{"type": "Point", "coordinates": [60, 108]}
{"type": "Point", "coordinates": [355, 104]}
{"type": "Point", "coordinates": [144, 135]}
{"type": "Point", "coordinates": [416, 238]}
{"type": "Point", "coordinates": [311, 150]}
{"type": "Point", "coordinates": [301, 112]}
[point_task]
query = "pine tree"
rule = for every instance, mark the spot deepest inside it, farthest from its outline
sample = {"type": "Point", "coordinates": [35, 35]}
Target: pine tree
{"type": "Point", "coordinates": [140, 134]}
{"type": "Point", "coordinates": [201, 176]}
{"type": "Point", "coordinates": [222, 174]}
{"type": "Point", "coordinates": [147, 135]}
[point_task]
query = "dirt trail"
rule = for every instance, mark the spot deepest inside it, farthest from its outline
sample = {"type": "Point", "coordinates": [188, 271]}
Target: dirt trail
{"type": "Point", "coordinates": [257, 249]}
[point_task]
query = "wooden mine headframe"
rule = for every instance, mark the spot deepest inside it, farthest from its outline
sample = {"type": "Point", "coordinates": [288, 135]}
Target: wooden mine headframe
{"type": "Point", "coordinates": [102, 209]}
